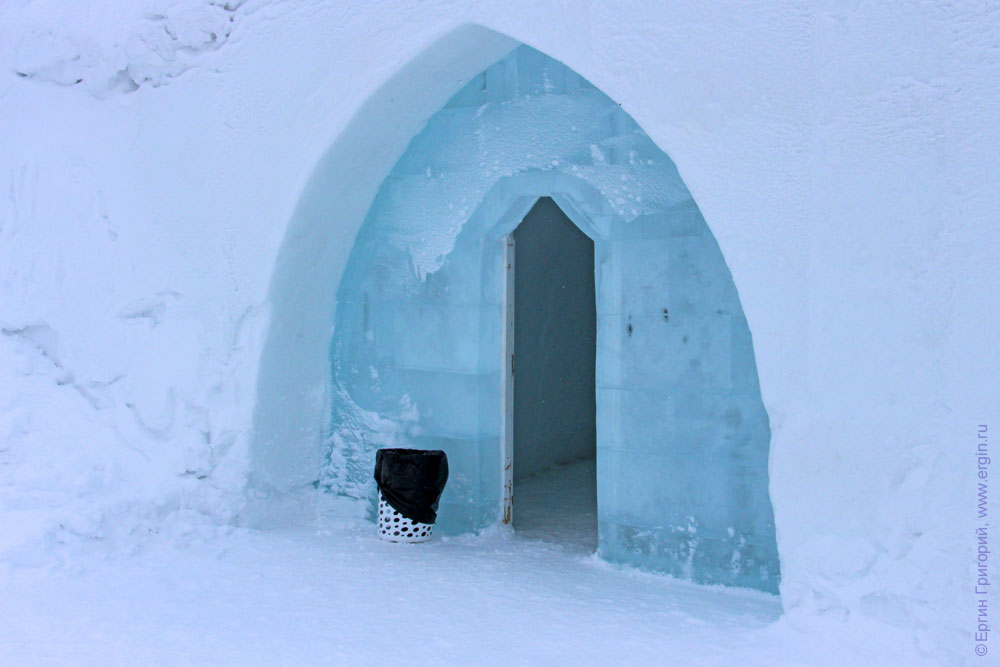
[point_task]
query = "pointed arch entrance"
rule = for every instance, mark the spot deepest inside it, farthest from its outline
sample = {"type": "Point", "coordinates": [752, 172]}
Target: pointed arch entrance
{"type": "Point", "coordinates": [416, 357]}
{"type": "Point", "coordinates": [549, 421]}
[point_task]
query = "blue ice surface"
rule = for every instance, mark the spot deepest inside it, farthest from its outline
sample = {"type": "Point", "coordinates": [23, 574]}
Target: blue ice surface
{"type": "Point", "coordinates": [682, 434]}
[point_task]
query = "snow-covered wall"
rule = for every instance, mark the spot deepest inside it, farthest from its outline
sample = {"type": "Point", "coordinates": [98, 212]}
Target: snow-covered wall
{"type": "Point", "coordinates": [844, 157]}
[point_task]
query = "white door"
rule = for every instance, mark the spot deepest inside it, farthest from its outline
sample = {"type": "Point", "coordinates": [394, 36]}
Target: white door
{"type": "Point", "coordinates": [507, 388]}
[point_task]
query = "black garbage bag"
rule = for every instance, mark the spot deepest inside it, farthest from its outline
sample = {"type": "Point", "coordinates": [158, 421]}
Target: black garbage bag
{"type": "Point", "coordinates": [411, 480]}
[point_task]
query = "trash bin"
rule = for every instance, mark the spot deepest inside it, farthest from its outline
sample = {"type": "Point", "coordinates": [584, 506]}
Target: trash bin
{"type": "Point", "coordinates": [410, 482]}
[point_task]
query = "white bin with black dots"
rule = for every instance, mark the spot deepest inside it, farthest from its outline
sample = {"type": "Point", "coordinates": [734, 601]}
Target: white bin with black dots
{"type": "Point", "coordinates": [394, 527]}
{"type": "Point", "coordinates": [410, 483]}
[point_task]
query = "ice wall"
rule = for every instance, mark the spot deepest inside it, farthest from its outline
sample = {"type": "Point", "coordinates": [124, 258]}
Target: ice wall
{"type": "Point", "coordinates": [682, 434]}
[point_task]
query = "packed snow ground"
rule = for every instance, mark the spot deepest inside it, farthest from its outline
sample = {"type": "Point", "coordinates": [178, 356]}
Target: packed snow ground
{"type": "Point", "coordinates": [335, 594]}
{"type": "Point", "coordinates": [332, 593]}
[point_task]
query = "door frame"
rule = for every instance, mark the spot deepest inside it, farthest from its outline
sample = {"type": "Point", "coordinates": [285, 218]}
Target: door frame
{"type": "Point", "coordinates": [507, 383]}
{"type": "Point", "coordinates": [509, 221]}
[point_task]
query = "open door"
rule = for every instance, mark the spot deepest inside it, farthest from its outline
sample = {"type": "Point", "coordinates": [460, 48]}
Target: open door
{"type": "Point", "coordinates": [550, 406]}
{"type": "Point", "coordinates": [507, 384]}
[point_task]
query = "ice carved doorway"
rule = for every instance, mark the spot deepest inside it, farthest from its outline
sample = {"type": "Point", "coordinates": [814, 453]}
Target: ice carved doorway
{"type": "Point", "coordinates": [682, 434]}
{"type": "Point", "coordinates": [550, 348]}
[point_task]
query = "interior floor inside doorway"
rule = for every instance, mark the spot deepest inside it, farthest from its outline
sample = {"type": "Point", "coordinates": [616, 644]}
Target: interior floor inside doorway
{"type": "Point", "coordinates": [559, 506]}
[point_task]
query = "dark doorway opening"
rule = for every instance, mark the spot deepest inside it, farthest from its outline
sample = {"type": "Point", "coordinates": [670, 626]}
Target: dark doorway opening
{"type": "Point", "coordinates": [554, 411]}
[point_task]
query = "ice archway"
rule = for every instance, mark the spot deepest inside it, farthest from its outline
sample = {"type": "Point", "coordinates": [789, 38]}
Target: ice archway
{"type": "Point", "coordinates": [415, 359]}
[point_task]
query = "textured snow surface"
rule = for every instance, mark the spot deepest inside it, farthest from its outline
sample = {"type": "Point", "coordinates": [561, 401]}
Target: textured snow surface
{"type": "Point", "coordinates": [110, 47]}
{"type": "Point", "coordinates": [335, 594]}
{"type": "Point", "coordinates": [843, 155]}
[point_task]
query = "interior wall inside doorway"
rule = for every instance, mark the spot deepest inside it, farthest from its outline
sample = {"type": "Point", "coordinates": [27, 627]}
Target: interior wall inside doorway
{"type": "Point", "coordinates": [555, 338]}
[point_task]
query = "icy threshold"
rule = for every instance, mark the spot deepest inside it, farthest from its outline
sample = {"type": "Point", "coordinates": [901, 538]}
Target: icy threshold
{"type": "Point", "coordinates": [559, 506]}
{"type": "Point", "coordinates": [335, 594]}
